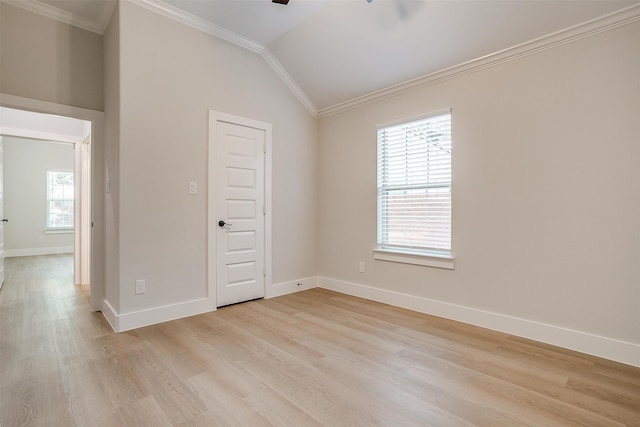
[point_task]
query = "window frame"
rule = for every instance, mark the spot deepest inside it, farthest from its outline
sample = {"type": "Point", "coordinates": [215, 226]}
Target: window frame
{"type": "Point", "coordinates": [433, 257]}
{"type": "Point", "coordinates": [52, 228]}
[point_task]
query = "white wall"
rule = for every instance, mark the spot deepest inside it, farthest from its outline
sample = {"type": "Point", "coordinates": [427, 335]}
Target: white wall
{"type": "Point", "coordinates": [26, 162]}
{"type": "Point", "coordinates": [546, 194]}
{"type": "Point", "coordinates": [170, 75]}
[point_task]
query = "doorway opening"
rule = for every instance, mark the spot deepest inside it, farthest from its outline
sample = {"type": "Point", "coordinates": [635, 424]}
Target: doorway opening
{"type": "Point", "coordinates": [52, 168]}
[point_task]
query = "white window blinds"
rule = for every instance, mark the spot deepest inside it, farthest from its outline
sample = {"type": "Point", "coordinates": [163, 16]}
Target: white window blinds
{"type": "Point", "coordinates": [60, 195]}
{"type": "Point", "coordinates": [414, 185]}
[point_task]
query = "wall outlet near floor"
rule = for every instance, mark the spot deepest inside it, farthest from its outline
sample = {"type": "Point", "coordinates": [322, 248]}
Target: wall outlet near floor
{"type": "Point", "coordinates": [141, 286]}
{"type": "Point", "coordinates": [361, 266]}
{"type": "Point", "coordinates": [40, 239]}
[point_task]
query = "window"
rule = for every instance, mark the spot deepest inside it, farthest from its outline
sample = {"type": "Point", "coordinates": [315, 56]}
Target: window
{"type": "Point", "coordinates": [60, 195]}
{"type": "Point", "coordinates": [414, 188]}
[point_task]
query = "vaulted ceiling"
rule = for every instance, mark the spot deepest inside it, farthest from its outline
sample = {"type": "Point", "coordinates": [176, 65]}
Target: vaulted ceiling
{"type": "Point", "coordinates": [335, 52]}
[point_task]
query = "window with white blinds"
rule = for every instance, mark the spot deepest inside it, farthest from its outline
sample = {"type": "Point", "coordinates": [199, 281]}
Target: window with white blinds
{"type": "Point", "coordinates": [60, 200]}
{"type": "Point", "coordinates": [414, 185]}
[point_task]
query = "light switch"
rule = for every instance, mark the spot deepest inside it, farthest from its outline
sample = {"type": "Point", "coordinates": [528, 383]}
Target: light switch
{"type": "Point", "coordinates": [193, 187]}
{"type": "Point", "coordinates": [141, 286]}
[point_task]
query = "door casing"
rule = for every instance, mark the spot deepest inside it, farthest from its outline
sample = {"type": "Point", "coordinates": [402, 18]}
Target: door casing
{"type": "Point", "coordinates": [212, 217]}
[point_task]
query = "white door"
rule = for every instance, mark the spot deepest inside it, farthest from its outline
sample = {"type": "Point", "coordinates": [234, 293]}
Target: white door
{"type": "Point", "coordinates": [2, 220]}
{"type": "Point", "coordinates": [240, 208]}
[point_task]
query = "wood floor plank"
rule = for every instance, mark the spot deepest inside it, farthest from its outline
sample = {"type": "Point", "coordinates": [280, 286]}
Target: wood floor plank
{"type": "Point", "coordinates": [145, 412]}
{"type": "Point", "coordinates": [314, 358]}
{"type": "Point", "coordinates": [226, 400]}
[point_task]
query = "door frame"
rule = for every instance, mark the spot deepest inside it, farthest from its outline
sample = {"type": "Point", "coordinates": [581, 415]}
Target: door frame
{"type": "Point", "coordinates": [94, 260]}
{"type": "Point", "coordinates": [212, 218]}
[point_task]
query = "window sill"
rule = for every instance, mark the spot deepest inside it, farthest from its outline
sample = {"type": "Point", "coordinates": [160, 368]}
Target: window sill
{"type": "Point", "coordinates": [428, 259]}
{"type": "Point", "coordinates": [58, 231]}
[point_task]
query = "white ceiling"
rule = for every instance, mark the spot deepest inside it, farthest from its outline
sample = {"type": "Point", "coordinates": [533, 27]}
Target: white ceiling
{"type": "Point", "coordinates": [335, 51]}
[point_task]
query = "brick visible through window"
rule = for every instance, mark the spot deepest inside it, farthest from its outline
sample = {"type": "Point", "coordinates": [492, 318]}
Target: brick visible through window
{"type": "Point", "coordinates": [414, 185]}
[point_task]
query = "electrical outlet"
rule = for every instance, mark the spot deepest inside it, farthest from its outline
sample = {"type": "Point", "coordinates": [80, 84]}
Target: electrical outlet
{"type": "Point", "coordinates": [193, 188]}
{"type": "Point", "coordinates": [141, 286]}
{"type": "Point", "coordinates": [40, 239]}
{"type": "Point", "coordinates": [361, 266]}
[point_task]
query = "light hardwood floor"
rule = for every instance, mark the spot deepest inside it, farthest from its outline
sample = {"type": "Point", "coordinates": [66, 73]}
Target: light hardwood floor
{"type": "Point", "coordinates": [308, 359]}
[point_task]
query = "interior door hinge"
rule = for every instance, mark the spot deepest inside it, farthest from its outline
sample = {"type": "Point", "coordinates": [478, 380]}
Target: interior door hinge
{"type": "Point", "coordinates": [264, 271]}
{"type": "Point", "coordinates": [264, 147]}
{"type": "Point", "coordinates": [264, 210]}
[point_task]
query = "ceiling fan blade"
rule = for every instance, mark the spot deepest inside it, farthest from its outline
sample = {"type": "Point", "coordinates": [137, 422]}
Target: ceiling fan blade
{"type": "Point", "coordinates": [280, 1]}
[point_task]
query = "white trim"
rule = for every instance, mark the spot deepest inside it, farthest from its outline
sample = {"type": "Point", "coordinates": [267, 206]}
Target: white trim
{"type": "Point", "coordinates": [200, 24]}
{"type": "Point", "coordinates": [139, 319]}
{"type": "Point", "coordinates": [604, 23]}
{"type": "Point", "coordinates": [595, 26]}
{"type": "Point", "coordinates": [46, 136]}
{"type": "Point", "coordinates": [10, 253]}
{"type": "Point", "coordinates": [289, 81]}
{"type": "Point", "coordinates": [415, 258]}
{"type": "Point", "coordinates": [110, 314]}
{"type": "Point", "coordinates": [58, 231]}
{"type": "Point", "coordinates": [609, 348]}
{"type": "Point", "coordinates": [63, 16]}
{"type": "Point", "coordinates": [29, 104]}
{"type": "Point", "coordinates": [434, 113]}
{"type": "Point", "coordinates": [268, 209]}
{"type": "Point", "coordinates": [291, 287]}
{"type": "Point", "coordinates": [207, 27]}
{"type": "Point", "coordinates": [105, 15]}
{"type": "Point", "coordinates": [214, 118]}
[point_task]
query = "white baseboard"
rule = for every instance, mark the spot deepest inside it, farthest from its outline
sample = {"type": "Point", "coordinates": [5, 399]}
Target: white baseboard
{"type": "Point", "coordinates": [285, 288]}
{"type": "Point", "coordinates": [138, 319]}
{"type": "Point", "coordinates": [608, 348]}
{"type": "Point", "coordinates": [10, 253]}
{"type": "Point", "coordinates": [110, 314]}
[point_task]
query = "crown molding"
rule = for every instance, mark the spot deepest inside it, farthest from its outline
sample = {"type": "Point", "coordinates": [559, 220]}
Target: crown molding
{"type": "Point", "coordinates": [199, 24]}
{"type": "Point", "coordinates": [289, 81]}
{"type": "Point", "coordinates": [105, 15]}
{"type": "Point", "coordinates": [60, 15]}
{"type": "Point", "coordinates": [231, 37]}
{"type": "Point", "coordinates": [590, 28]}
{"type": "Point", "coordinates": [605, 23]}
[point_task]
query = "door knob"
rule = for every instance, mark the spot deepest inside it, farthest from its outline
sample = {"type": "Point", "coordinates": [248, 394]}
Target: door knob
{"type": "Point", "coordinates": [5, 220]}
{"type": "Point", "coordinates": [221, 223]}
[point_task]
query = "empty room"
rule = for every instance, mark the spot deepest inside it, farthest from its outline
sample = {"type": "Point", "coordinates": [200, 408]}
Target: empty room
{"type": "Point", "coordinates": [320, 213]}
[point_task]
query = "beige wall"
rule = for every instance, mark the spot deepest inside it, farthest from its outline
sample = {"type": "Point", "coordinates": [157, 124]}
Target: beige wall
{"type": "Point", "coordinates": [47, 60]}
{"type": "Point", "coordinates": [111, 60]}
{"type": "Point", "coordinates": [26, 162]}
{"type": "Point", "coordinates": [546, 189]}
{"type": "Point", "coordinates": [170, 76]}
